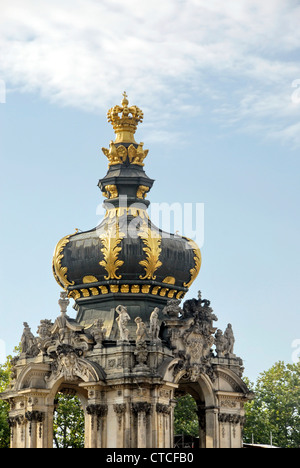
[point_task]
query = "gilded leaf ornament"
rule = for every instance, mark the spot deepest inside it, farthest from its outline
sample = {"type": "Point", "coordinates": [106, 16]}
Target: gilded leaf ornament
{"type": "Point", "coordinates": [197, 259]}
{"type": "Point", "coordinates": [152, 248]}
{"type": "Point", "coordinates": [111, 239]}
{"type": "Point", "coordinates": [60, 272]}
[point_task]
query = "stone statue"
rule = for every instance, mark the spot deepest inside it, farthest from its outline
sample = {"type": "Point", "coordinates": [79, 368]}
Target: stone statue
{"type": "Point", "coordinates": [98, 333]}
{"type": "Point", "coordinates": [224, 342]}
{"type": "Point", "coordinates": [154, 325]}
{"type": "Point", "coordinates": [228, 334]}
{"type": "Point", "coordinates": [44, 332]}
{"type": "Point", "coordinates": [221, 343]}
{"type": "Point", "coordinates": [141, 351]}
{"type": "Point", "coordinates": [141, 333]}
{"type": "Point", "coordinates": [28, 342]}
{"type": "Point", "coordinates": [172, 310]}
{"type": "Point", "coordinates": [122, 321]}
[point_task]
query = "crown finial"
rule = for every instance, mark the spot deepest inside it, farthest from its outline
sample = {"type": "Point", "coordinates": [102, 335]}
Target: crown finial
{"type": "Point", "coordinates": [125, 120]}
{"type": "Point", "coordinates": [125, 101]}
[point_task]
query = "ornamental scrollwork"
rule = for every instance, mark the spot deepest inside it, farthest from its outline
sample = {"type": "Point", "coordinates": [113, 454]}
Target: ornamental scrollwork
{"type": "Point", "coordinates": [152, 242]}
{"type": "Point", "coordinates": [111, 239]}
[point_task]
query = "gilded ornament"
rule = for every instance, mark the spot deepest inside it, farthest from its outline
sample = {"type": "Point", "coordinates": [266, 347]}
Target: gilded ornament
{"type": "Point", "coordinates": [74, 294]}
{"type": "Point", "coordinates": [197, 259]}
{"type": "Point", "coordinates": [111, 249]}
{"type": "Point", "coordinates": [180, 295]}
{"type": "Point", "coordinates": [85, 292]}
{"type": "Point", "coordinates": [94, 291]}
{"type": "Point", "coordinates": [126, 123]}
{"type": "Point", "coordinates": [172, 292]}
{"type": "Point", "coordinates": [169, 280]}
{"type": "Point", "coordinates": [137, 155]}
{"type": "Point", "coordinates": [125, 288]}
{"type": "Point", "coordinates": [60, 272]}
{"type": "Point", "coordinates": [111, 191]}
{"type": "Point", "coordinates": [113, 213]}
{"type": "Point", "coordinates": [112, 154]}
{"type": "Point", "coordinates": [135, 288]}
{"type": "Point", "coordinates": [141, 191]}
{"type": "Point", "coordinates": [163, 291]}
{"type": "Point", "coordinates": [89, 279]}
{"type": "Point", "coordinates": [155, 290]}
{"type": "Point", "coordinates": [152, 248]}
{"type": "Point", "coordinates": [145, 288]}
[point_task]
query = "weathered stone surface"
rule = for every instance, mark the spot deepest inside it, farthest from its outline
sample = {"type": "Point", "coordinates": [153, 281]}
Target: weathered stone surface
{"type": "Point", "coordinates": [128, 387]}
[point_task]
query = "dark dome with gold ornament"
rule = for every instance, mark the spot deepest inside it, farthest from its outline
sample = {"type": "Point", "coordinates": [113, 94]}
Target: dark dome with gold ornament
{"type": "Point", "coordinates": [125, 259]}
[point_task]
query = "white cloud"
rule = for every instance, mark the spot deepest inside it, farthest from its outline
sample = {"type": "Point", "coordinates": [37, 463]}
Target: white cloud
{"type": "Point", "coordinates": [237, 57]}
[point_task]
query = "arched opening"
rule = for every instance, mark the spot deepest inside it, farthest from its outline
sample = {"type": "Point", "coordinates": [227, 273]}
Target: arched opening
{"type": "Point", "coordinates": [196, 405]}
{"type": "Point", "coordinates": [68, 419]}
{"type": "Point", "coordinates": [186, 421]}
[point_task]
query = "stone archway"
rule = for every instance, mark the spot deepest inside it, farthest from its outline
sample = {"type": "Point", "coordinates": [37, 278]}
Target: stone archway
{"type": "Point", "coordinates": [202, 392]}
{"type": "Point", "coordinates": [69, 417]}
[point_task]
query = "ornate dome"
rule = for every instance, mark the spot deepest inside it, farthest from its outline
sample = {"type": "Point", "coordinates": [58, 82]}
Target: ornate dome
{"type": "Point", "coordinates": [126, 257]}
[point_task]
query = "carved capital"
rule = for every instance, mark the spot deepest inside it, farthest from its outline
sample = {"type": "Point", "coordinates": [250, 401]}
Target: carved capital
{"type": "Point", "coordinates": [35, 416]}
{"type": "Point", "coordinates": [141, 407]}
{"type": "Point", "coordinates": [97, 410]}
{"type": "Point", "coordinates": [161, 408]}
{"type": "Point", "coordinates": [231, 418]}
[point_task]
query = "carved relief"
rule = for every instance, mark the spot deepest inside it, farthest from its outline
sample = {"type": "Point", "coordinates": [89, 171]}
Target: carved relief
{"type": "Point", "coordinates": [197, 259]}
{"type": "Point", "coordinates": [60, 272]}
{"type": "Point", "coordinates": [111, 239]}
{"type": "Point", "coordinates": [152, 248]}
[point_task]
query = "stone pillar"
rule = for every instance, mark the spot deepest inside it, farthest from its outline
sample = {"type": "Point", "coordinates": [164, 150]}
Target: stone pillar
{"type": "Point", "coordinates": [141, 410]}
{"type": "Point", "coordinates": [120, 410]}
{"type": "Point", "coordinates": [164, 425]}
{"type": "Point", "coordinates": [20, 433]}
{"type": "Point", "coordinates": [211, 437]}
{"type": "Point", "coordinates": [35, 421]}
{"type": "Point", "coordinates": [97, 425]}
{"type": "Point", "coordinates": [230, 430]}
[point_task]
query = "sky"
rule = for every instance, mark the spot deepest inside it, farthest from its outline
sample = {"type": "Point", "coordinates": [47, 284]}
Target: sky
{"type": "Point", "coordinates": [219, 85]}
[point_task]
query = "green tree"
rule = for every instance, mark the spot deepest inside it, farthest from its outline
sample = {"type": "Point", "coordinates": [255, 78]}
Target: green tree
{"type": "Point", "coordinates": [5, 370]}
{"type": "Point", "coordinates": [68, 425]}
{"type": "Point", "coordinates": [185, 417]}
{"type": "Point", "coordinates": [275, 411]}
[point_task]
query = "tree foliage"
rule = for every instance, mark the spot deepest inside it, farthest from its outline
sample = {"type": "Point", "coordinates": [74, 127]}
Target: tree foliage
{"type": "Point", "coordinates": [5, 371]}
{"type": "Point", "coordinates": [68, 424]}
{"type": "Point", "coordinates": [275, 411]}
{"type": "Point", "coordinates": [185, 417]}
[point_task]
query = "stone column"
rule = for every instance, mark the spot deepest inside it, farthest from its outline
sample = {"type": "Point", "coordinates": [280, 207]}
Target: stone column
{"type": "Point", "coordinates": [141, 411]}
{"type": "Point", "coordinates": [20, 431]}
{"type": "Point", "coordinates": [230, 430]}
{"type": "Point", "coordinates": [35, 429]}
{"type": "Point", "coordinates": [120, 410]}
{"type": "Point", "coordinates": [211, 438]}
{"type": "Point", "coordinates": [97, 423]}
{"type": "Point", "coordinates": [164, 425]}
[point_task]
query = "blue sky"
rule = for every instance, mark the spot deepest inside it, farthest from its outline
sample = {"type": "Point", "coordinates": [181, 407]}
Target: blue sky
{"type": "Point", "coordinates": [219, 84]}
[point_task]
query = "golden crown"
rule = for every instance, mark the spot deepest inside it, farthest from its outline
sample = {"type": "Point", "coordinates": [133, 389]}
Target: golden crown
{"type": "Point", "coordinates": [125, 120]}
